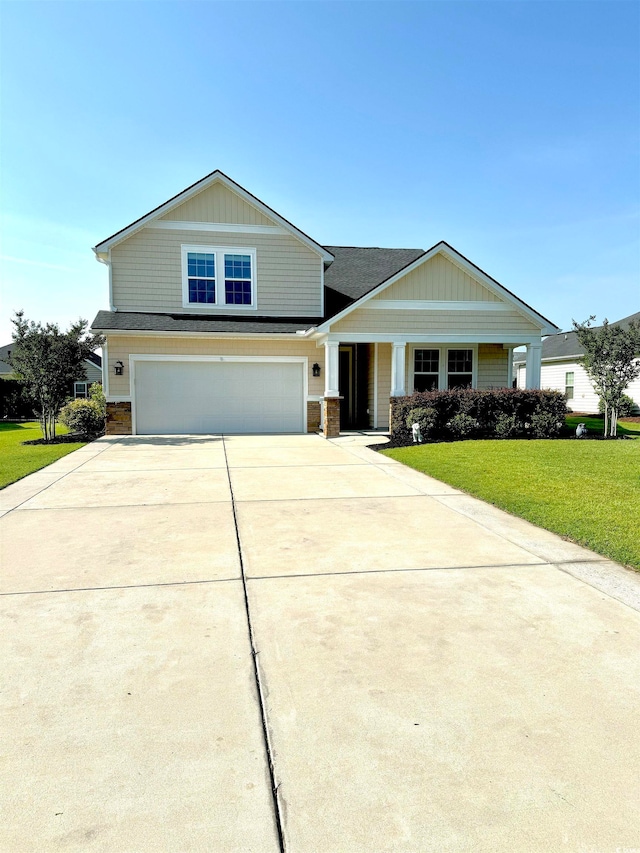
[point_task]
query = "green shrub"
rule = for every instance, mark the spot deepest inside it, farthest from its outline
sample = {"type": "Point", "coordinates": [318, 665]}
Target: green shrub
{"type": "Point", "coordinates": [495, 413]}
{"type": "Point", "coordinates": [463, 426]}
{"type": "Point", "coordinates": [507, 426]}
{"type": "Point", "coordinates": [96, 394]}
{"type": "Point", "coordinates": [545, 424]}
{"type": "Point", "coordinates": [626, 409]}
{"type": "Point", "coordinates": [83, 416]}
{"type": "Point", "coordinates": [424, 416]}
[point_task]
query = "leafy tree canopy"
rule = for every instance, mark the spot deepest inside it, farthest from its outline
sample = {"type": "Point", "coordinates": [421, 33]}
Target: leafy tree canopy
{"type": "Point", "coordinates": [611, 362]}
{"type": "Point", "coordinates": [48, 360]}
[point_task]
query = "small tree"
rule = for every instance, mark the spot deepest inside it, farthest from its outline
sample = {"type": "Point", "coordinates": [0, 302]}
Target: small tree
{"type": "Point", "coordinates": [611, 363]}
{"type": "Point", "coordinates": [48, 361]}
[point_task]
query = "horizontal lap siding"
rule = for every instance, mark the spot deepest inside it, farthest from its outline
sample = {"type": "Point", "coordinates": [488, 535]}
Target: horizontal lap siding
{"type": "Point", "coordinates": [121, 347]}
{"type": "Point", "coordinates": [434, 322]}
{"type": "Point", "coordinates": [218, 204]}
{"type": "Point", "coordinates": [493, 366]}
{"type": "Point", "coordinates": [438, 279]}
{"type": "Point", "coordinates": [553, 377]}
{"type": "Point", "coordinates": [94, 374]}
{"type": "Point", "coordinates": [147, 272]}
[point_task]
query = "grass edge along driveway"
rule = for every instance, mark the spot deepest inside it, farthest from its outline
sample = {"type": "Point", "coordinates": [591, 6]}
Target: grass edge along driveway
{"type": "Point", "coordinates": [585, 491]}
{"type": "Point", "coordinates": [18, 460]}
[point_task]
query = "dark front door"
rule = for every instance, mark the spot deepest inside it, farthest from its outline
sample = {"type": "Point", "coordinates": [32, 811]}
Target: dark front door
{"type": "Point", "coordinates": [353, 377]}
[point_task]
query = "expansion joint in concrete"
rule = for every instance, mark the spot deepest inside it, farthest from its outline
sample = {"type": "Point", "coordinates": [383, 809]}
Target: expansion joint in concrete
{"type": "Point", "coordinates": [258, 679]}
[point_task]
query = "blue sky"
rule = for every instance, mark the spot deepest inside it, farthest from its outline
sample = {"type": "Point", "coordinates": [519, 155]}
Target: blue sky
{"type": "Point", "coordinates": [509, 129]}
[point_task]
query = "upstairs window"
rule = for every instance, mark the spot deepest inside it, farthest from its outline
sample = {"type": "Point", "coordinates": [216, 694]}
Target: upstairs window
{"type": "Point", "coordinates": [459, 368]}
{"type": "Point", "coordinates": [218, 277]}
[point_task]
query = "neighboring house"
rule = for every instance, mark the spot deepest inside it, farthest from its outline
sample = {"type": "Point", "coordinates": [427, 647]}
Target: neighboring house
{"type": "Point", "coordinates": [78, 389]}
{"type": "Point", "coordinates": [225, 317]}
{"type": "Point", "coordinates": [561, 371]}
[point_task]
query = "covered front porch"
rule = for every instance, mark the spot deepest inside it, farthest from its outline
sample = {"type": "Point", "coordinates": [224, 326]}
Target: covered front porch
{"type": "Point", "coordinates": [361, 376]}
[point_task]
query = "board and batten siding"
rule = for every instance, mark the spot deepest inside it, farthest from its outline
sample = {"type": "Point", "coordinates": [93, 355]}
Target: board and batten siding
{"type": "Point", "coordinates": [217, 203]}
{"type": "Point", "coordinates": [439, 279]}
{"type": "Point", "coordinates": [417, 321]}
{"type": "Point", "coordinates": [384, 385]}
{"type": "Point", "coordinates": [121, 347]}
{"type": "Point", "coordinates": [147, 272]}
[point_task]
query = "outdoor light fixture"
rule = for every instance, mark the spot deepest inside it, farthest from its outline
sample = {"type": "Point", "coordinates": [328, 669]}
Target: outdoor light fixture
{"type": "Point", "coordinates": [118, 368]}
{"type": "Point", "coordinates": [316, 369]}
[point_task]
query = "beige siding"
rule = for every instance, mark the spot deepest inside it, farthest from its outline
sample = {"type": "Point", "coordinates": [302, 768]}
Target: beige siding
{"type": "Point", "coordinates": [217, 203]}
{"type": "Point", "coordinates": [493, 366]}
{"type": "Point", "coordinates": [384, 385]}
{"type": "Point", "coordinates": [147, 271]}
{"type": "Point", "coordinates": [121, 347]}
{"type": "Point", "coordinates": [439, 279]}
{"type": "Point", "coordinates": [434, 322]}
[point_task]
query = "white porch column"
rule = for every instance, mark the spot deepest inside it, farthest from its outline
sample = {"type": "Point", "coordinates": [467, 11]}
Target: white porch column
{"type": "Point", "coordinates": [331, 374]}
{"type": "Point", "coordinates": [398, 370]}
{"type": "Point", "coordinates": [534, 363]}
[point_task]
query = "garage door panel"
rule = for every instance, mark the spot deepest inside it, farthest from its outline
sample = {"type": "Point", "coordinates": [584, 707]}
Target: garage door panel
{"type": "Point", "coordinates": [177, 397]}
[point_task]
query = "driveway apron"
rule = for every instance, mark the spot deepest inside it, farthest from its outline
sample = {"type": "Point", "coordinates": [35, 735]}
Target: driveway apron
{"type": "Point", "coordinates": [256, 643]}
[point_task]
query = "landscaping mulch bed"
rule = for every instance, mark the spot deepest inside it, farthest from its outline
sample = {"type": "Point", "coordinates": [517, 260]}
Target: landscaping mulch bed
{"type": "Point", "coordinates": [69, 438]}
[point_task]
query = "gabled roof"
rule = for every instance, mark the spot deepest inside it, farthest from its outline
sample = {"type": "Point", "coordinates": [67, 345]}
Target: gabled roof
{"type": "Point", "coordinates": [6, 369]}
{"type": "Point", "coordinates": [566, 344]}
{"type": "Point", "coordinates": [198, 187]}
{"type": "Point", "coordinates": [356, 270]}
{"type": "Point", "coordinates": [546, 326]}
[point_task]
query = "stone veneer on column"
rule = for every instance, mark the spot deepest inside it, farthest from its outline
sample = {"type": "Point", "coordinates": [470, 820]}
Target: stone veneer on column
{"type": "Point", "coordinates": [118, 419]}
{"type": "Point", "coordinates": [331, 421]}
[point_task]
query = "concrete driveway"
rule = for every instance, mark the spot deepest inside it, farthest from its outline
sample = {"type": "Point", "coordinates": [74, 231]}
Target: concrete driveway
{"type": "Point", "coordinates": [263, 643]}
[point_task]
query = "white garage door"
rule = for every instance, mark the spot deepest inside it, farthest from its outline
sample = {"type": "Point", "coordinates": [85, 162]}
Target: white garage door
{"type": "Point", "coordinates": [178, 397]}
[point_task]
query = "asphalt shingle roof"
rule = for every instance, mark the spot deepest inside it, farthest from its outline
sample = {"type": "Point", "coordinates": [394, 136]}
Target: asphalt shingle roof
{"type": "Point", "coordinates": [113, 321]}
{"type": "Point", "coordinates": [566, 344]}
{"type": "Point", "coordinates": [358, 270]}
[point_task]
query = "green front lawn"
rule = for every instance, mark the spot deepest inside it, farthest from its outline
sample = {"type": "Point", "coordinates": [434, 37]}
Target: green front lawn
{"type": "Point", "coordinates": [587, 491]}
{"type": "Point", "coordinates": [595, 425]}
{"type": "Point", "coordinates": [16, 460]}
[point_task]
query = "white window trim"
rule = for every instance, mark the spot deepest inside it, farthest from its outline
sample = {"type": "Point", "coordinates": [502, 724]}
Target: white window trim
{"type": "Point", "coordinates": [86, 390]}
{"type": "Point", "coordinates": [443, 361]}
{"type": "Point", "coordinates": [219, 252]}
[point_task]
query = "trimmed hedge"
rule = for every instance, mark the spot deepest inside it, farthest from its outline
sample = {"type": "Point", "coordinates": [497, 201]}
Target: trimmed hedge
{"type": "Point", "coordinates": [468, 413]}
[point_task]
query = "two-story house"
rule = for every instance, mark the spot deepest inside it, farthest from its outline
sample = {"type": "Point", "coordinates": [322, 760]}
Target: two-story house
{"type": "Point", "coordinates": [226, 318]}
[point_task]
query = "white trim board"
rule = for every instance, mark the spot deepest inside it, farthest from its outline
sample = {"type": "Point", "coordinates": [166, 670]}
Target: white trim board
{"type": "Point", "coordinates": [424, 338]}
{"type": "Point", "coordinates": [178, 225]}
{"type": "Point", "coordinates": [435, 305]}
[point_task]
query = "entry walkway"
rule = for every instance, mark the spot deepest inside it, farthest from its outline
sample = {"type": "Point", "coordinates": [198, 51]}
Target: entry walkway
{"type": "Point", "coordinates": [257, 643]}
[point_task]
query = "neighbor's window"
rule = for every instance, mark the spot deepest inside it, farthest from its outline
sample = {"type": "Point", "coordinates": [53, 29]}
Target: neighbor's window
{"type": "Point", "coordinates": [203, 284]}
{"type": "Point", "coordinates": [426, 367]}
{"type": "Point", "coordinates": [80, 390]}
{"type": "Point", "coordinates": [568, 385]}
{"type": "Point", "coordinates": [459, 368]}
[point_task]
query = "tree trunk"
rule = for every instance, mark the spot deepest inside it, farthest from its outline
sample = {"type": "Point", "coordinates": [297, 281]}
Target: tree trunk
{"type": "Point", "coordinates": [606, 419]}
{"type": "Point", "coordinates": [614, 422]}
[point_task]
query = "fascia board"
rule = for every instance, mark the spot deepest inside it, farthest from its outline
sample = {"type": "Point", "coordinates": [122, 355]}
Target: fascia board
{"type": "Point", "coordinates": [546, 327]}
{"type": "Point", "coordinates": [198, 187]}
{"type": "Point", "coordinates": [146, 333]}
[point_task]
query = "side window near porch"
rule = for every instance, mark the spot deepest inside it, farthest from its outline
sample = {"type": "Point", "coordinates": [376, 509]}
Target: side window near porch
{"type": "Point", "coordinates": [459, 368]}
{"type": "Point", "coordinates": [568, 385]}
{"type": "Point", "coordinates": [81, 390]}
{"type": "Point", "coordinates": [426, 367]}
